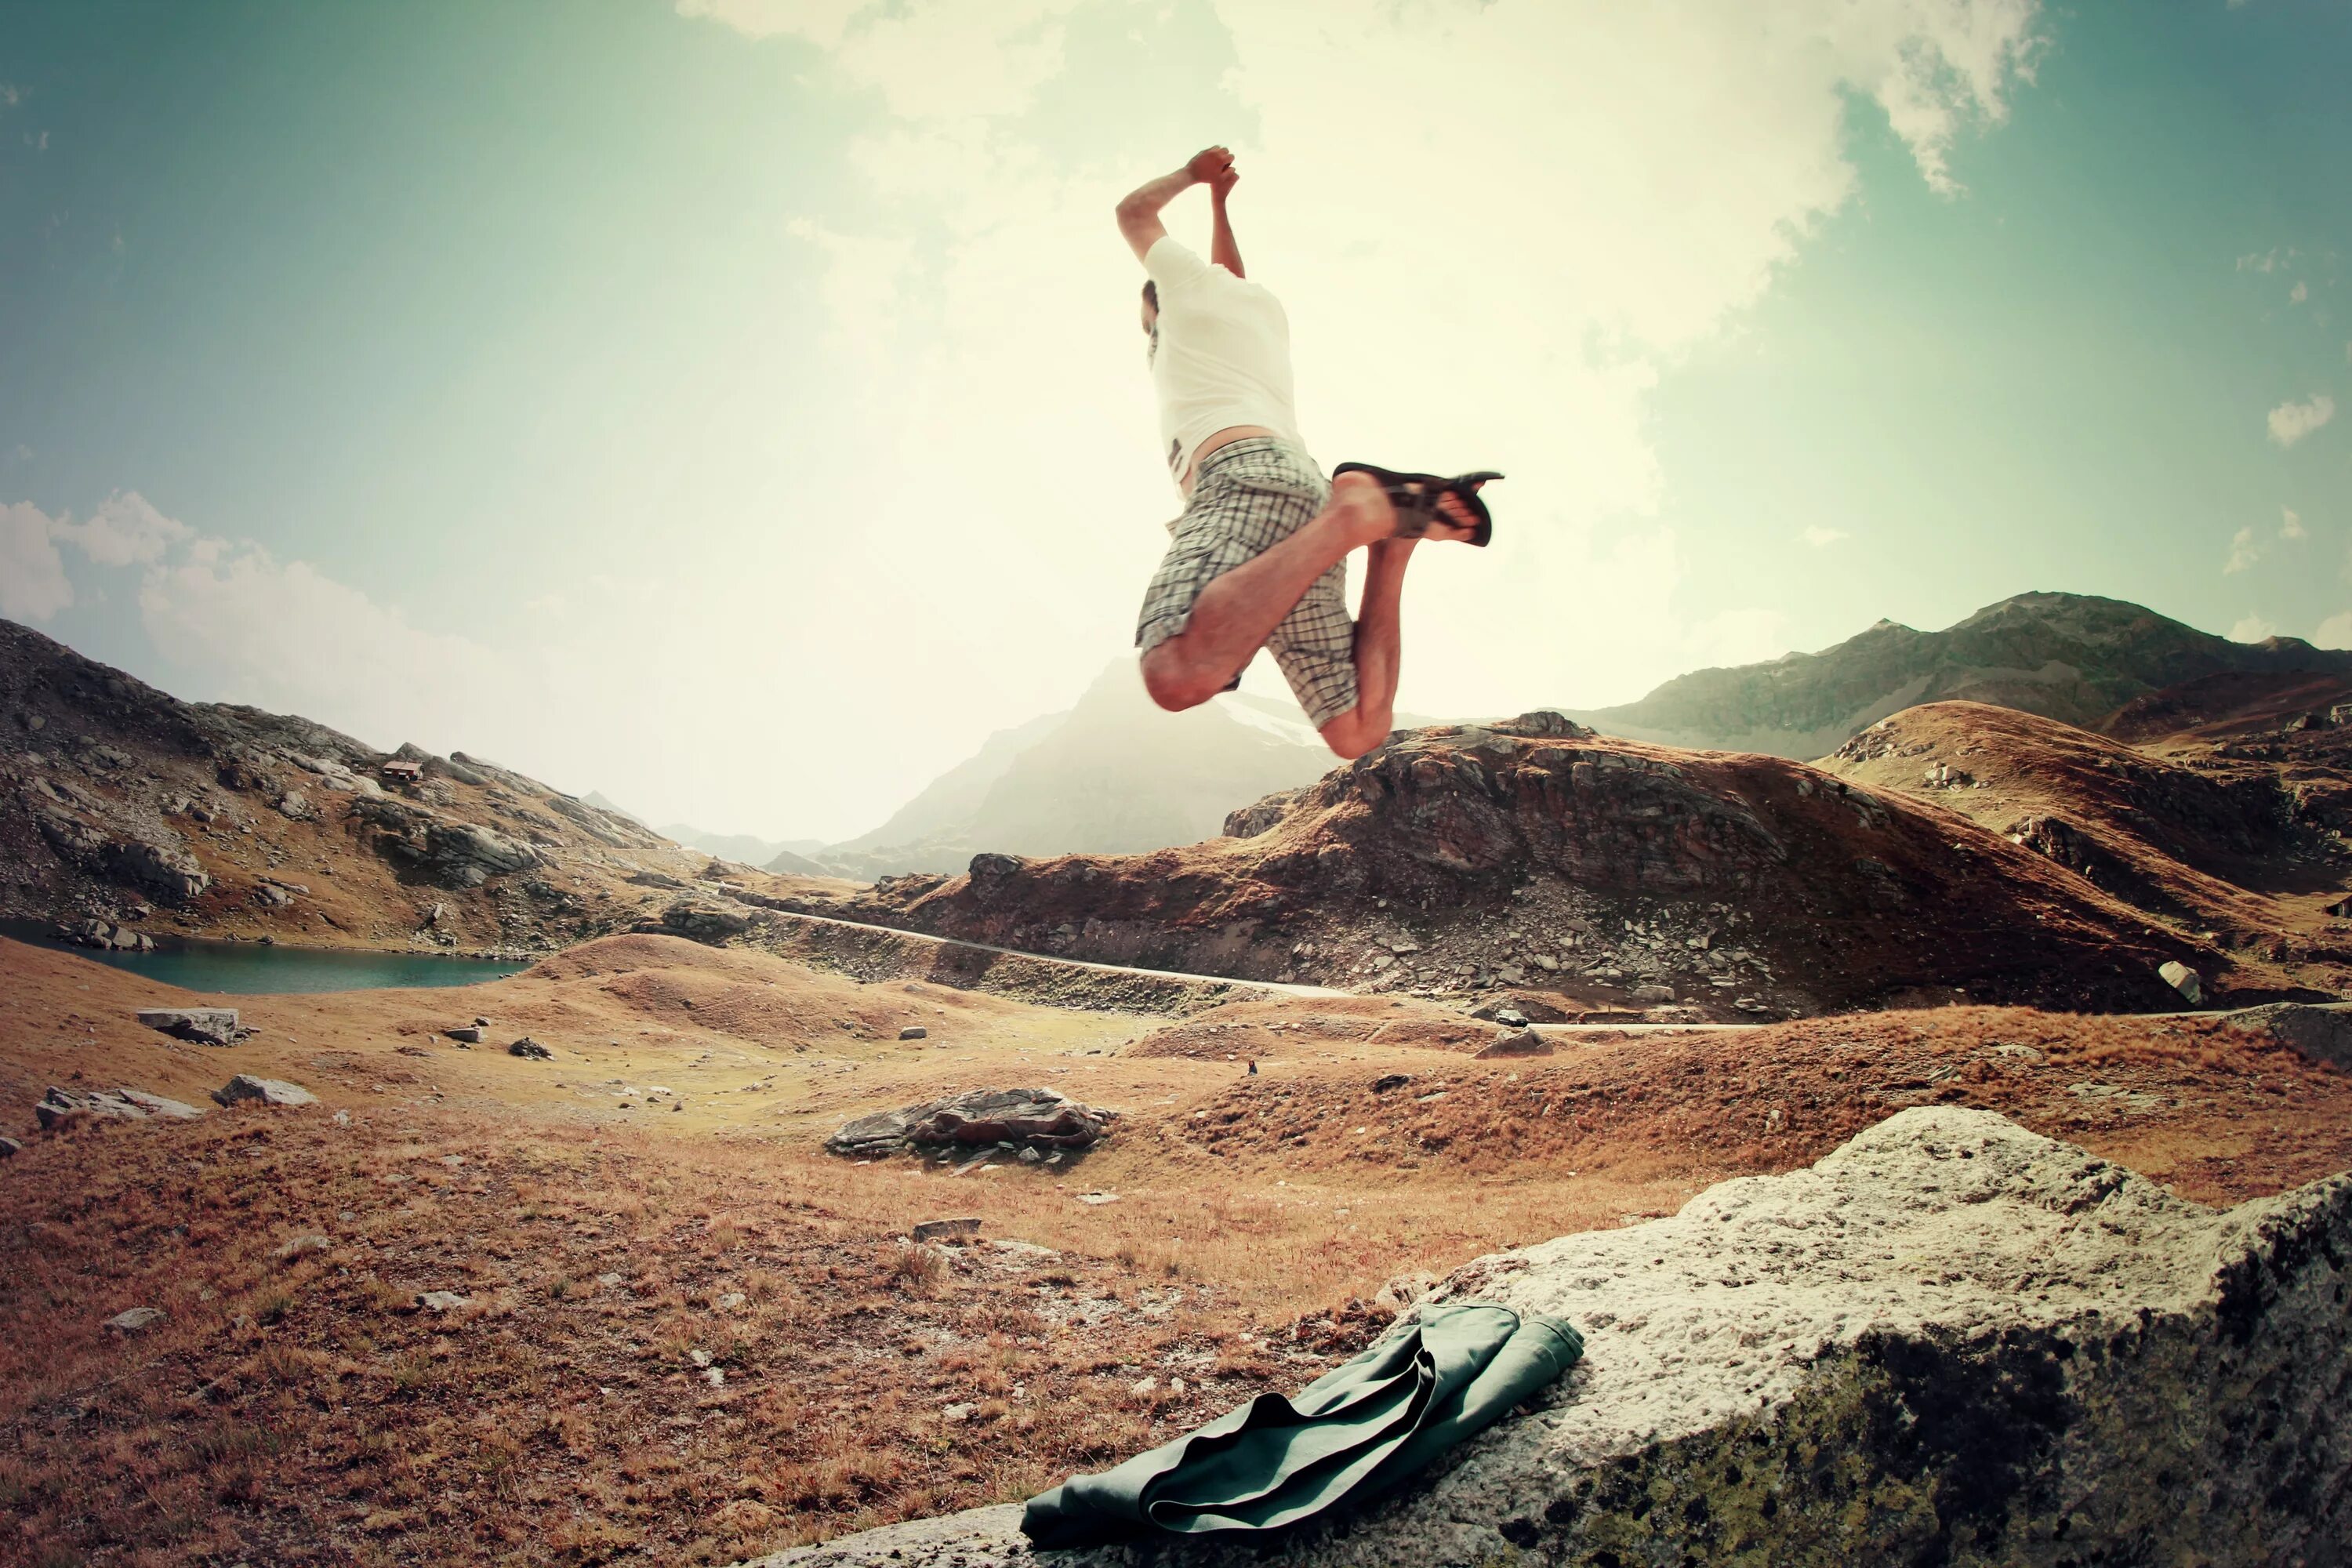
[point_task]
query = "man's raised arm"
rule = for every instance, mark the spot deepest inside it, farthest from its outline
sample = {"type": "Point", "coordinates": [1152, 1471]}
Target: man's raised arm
{"type": "Point", "coordinates": [1138, 210]}
{"type": "Point", "coordinates": [1222, 249]}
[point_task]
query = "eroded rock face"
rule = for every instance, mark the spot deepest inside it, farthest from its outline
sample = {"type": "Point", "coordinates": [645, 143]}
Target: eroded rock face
{"type": "Point", "coordinates": [1028, 1117]}
{"type": "Point", "coordinates": [1950, 1342]}
{"type": "Point", "coordinates": [1468, 856]}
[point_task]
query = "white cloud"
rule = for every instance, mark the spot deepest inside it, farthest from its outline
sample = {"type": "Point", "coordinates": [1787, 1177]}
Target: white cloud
{"type": "Point", "coordinates": [1818, 536]}
{"type": "Point", "coordinates": [9, 95]}
{"type": "Point", "coordinates": [973, 503]}
{"type": "Point", "coordinates": [2290, 523]}
{"type": "Point", "coordinates": [2336, 631]}
{"type": "Point", "coordinates": [2291, 422]}
{"type": "Point", "coordinates": [930, 59]}
{"type": "Point", "coordinates": [2243, 551]}
{"type": "Point", "coordinates": [2259, 261]}
{"type": "Point", "coordinates": [125, 531]}
{"type": "Point", "coordinates": [2252, 628]}
{"type": "Point", "coordinates": [33, 583]}
{"type": "Point", "coordinates": [2299, 293]}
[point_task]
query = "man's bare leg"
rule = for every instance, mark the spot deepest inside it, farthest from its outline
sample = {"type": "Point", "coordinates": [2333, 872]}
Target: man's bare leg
{"type": "Point", "coordinates": [1235, 614]}
{"type": "Point", "coordinates": [1379, 652]}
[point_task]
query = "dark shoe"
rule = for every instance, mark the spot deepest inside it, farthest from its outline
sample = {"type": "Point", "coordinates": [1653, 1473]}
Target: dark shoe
{"type": "Point", "coordinates": [1415, 497]}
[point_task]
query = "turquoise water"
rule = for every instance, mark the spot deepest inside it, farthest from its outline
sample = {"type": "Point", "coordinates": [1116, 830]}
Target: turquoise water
{"type": "Point", "coordinates": [249, 969]}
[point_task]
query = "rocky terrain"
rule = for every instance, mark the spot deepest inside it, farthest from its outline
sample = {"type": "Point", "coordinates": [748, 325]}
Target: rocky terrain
{"type": "Point", "coordinates": [1950, 1340]}
{"type": "Point", "coordinates": [2245, 845]}
{"type": "Point", "coordinates": [1601, 873]}
{"type": "Point", "coordinates": [2071, 657]}
{"type": "Point", "coordinates": [124, 806]}
{"type": "Point", "coordinates": [620, 1305]}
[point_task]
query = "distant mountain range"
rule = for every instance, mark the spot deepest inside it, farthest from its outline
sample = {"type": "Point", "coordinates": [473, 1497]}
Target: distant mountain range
{"type": "Point", "coordinates": [2070, 657]}
{"type": "Point", "coordinates": [1113, 775]}
{"type": "Point", "coordinates": [1116, 775]}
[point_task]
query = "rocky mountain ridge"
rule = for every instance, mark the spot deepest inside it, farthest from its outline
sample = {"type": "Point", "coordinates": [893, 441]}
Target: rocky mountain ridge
{"type": "Point", "coordinates": [2071, 656]}
{"type": "Point", "coordinates": [1606, 872]}
{"type": "Point", "coordinates": [121, 804]}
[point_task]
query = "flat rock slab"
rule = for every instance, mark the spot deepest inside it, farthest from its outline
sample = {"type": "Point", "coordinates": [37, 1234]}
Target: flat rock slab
{"type": "Point", "coordinates": [268, 1090]}
{"type": "Point", "coordinates": [1028, 1117]}
{"type": "Point", "coordinates": [205, 1025]}
{"type": "Point", "coordinates": [114, 1104]}
{"type": "Point", "coordinates": [1952, 1341]}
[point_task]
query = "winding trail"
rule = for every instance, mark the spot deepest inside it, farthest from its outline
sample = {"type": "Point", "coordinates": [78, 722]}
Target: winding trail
{"type": "Point", "coordinates": [1273, 987]}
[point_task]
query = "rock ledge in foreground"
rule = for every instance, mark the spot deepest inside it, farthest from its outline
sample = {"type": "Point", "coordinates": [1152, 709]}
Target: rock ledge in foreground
{"type": "Point", "coordinates": [1950, 1342]}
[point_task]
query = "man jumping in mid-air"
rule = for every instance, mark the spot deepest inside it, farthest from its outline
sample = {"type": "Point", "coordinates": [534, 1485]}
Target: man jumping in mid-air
{"type": "Point", "coordinates": [1259, 558]}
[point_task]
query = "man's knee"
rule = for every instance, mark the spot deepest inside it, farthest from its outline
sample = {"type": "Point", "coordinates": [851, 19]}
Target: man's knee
{"type": "Point", "coordinates": [1173, 680]}
{"type": "Point", "coordinates": [1350, 736]}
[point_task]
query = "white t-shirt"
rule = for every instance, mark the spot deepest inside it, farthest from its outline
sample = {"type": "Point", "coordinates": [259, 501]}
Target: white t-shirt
{"type": "Point", "coordinates": [1223, 357]}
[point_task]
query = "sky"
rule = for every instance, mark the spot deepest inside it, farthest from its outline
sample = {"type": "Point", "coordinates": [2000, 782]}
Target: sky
{"type": "Point", "coordinates": [737, 408]}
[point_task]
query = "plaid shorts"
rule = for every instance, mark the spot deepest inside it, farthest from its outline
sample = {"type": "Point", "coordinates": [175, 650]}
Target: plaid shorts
{"type": "Point", "coordinates": [1249, 496]}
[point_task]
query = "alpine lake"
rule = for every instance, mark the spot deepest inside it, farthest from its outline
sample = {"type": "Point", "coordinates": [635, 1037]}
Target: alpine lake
{"type": "Point", "coordinates": [262, 969]}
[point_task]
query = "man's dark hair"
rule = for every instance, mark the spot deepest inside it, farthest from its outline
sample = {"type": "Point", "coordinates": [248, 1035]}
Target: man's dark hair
{"type": "Point", "coordinates": [1151, 293]}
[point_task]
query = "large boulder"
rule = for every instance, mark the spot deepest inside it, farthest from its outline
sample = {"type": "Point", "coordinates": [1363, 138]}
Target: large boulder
{"type": "Point", "coordinates": [704, 922]}
{"type": "Point", "coordinates": [1026, 1118]}
{"type": "Point", "coordinates": [170, 874]}
{"type": "Point", "coordinates": [469, 854]}
{"type": "Point", "coordinates": [1950, 1342]}
{"type": "Point", "coordinates": [268, 1090]}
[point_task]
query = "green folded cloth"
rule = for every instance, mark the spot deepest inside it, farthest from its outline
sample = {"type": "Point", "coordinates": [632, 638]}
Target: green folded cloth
{"type": "Point", "coordinates": [1351, 1435]}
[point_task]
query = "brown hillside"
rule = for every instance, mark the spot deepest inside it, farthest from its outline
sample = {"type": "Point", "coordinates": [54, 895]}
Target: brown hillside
{"type": "Point", "coordinates": [1610, 871]}
{"type": "Point", "coordinates": [121, 804]}
{"type": "Point", "coordinates": [2228, 843]}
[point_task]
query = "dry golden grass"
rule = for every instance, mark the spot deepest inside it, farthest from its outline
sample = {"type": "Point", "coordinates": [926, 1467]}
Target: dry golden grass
{"type": "Point", "coordinates": [298, 1406]}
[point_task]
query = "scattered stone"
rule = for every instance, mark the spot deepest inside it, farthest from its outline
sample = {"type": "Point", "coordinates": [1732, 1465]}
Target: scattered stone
{"type": "Point", "coordinates": [1525, 1043]}
{"type": "Point", "coordinates": [205, 1025]}
{"type": "Point", "coordinates": [608, 1280]}
{"type": "Point", "coordinates": [1949, 1340]}
{"type": "Point", "coordinates": [110, 1104]}
{"type": "Point", "coordinates": [299, 1245]}
{"type": "Point", "coordinates": [466, 1034]}
{"type": "Point", "coordinates": [962, 1412]}
{"type": "Point", "coordinates": [914, 1032]}
{"type": "Point", "coordinates": [1387, 1081]}
{"type": "Point", "coordinates": [1653, 993]}
{"type": "Point", "coordinates": [9, 1146]}
{"type": "Point", "coordinates": [1097, 1198]}
{"type": "Point", "coordinates": [2185, 980]}
{"type": "Point", "coordinates": [137, 1321]}
{"type": "Point", "coordinates": [443, 1301]}
{"type": "Point", "coordinates": [932, 1229]}
{"type": "Point", "coordinates": [1035, 1118]}
{"type": "Point", "coordinates": [268, 1090]}
{"type": "Point", "coordinates": [733, 1301]}
{"type": "Point", "coordinates": [531, 1049]}
{"type": "Point", "coordinates": [104, 935]}
{"type": "Point", "coordinates": [1028, 1250]}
